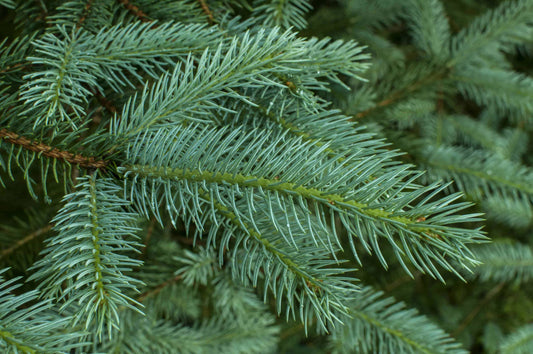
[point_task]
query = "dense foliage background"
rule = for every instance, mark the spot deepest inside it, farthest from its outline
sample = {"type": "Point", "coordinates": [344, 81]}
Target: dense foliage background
{"type": "Point", "coordinates": [465, 119]}
{"type": "Point", "coordinates": [447, 89]}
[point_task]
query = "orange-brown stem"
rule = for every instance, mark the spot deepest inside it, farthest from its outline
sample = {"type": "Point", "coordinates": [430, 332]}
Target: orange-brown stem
{"type": "Point", "coordinates": [207, 10]}
{"type": "Point", "coordinates": [135, 11]}
{"type": "Point", "coordinates": [52, 152]}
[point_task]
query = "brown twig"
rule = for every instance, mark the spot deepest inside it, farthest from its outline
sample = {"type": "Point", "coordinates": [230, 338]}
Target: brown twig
{"type": "Point", "coordinates": [158, 289]}
{"type": "Point", "coordinates": [135, 11]}
{"type": "Point", "coordinates": [75, 159]}
{"type": "Point", "coordinates": [207, 11]}
{"type": "Point", "coordinates": [26, 239]}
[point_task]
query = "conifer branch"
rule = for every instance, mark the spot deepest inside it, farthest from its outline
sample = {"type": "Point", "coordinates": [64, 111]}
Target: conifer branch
{"type": "Point", "coordinates": [283, 13]}
{"type": "Point", "coordinates": [290, 189]}
{"type": "Point", "coordinates": [379, 324]}
{"type": "Point", "coordinates": [318, 290]}
{"type": "Point", "coordinates": [312, 282]}
{"type": "Point", "coordinates": [284, 178]}
{"type": "Point", "coordinates": [225, 131]}
{"type": "Point", "coordinates": [32, 326]}
{"type": "Point", "coordinates": [52, 152]}
{"type": "Point", "coordinates": [518, 341]}
{"type": "Point", "coordinates": [419, 347]}
{"type": "Point", "coordinates": [87, 254]}
{"type": "Point", "coordinates": [505, 262]}
{"type": "Point", "coordinates": [479, 173]}
{"type": "Point", "coordinates": [484, 175]}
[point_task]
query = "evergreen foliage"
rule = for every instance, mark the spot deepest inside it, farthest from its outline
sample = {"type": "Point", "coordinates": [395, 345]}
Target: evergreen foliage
{"type": "Point", "coordinates": [520, 341]}
{"type": "Point", "coordinates": [213, 192]}
{"type": "Point", "coordinates": [451, 86]}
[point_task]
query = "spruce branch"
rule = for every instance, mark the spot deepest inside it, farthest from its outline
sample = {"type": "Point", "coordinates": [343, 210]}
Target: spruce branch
{"type": "Point", "coordinates": [429, 27]}
{"type": "Point", "coordinates": [479, 173]}
{"type": "Point", "coordinates": [498, 29]}
{"type": "Point", "coordinates": [269, 255]}
{"type": "Point", "coordinates": [52, 94]}
{"type": "Point", "coordinates": [283, 13]}
{"type": "Point", "coordinates": [284, 178]}
{"type": "Point", "coordinates": [378, 324]}
{"type": "Point", "coordinates": [504, 91]}
{"type": "Point", "coordinates": [504, 262]}
{"type": "Point", "coordinates": [31, 326]}
{"type": "Point", "coordinates": [222, 127]}
{"type": "Point", "coordinates": [510, 23]}
{"type": "Point", "coordinates": [243, 60]}
{"type": "Point", "coordinates": [253, 334]}
{"type": "Point", "coordinates": [87, 256]}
